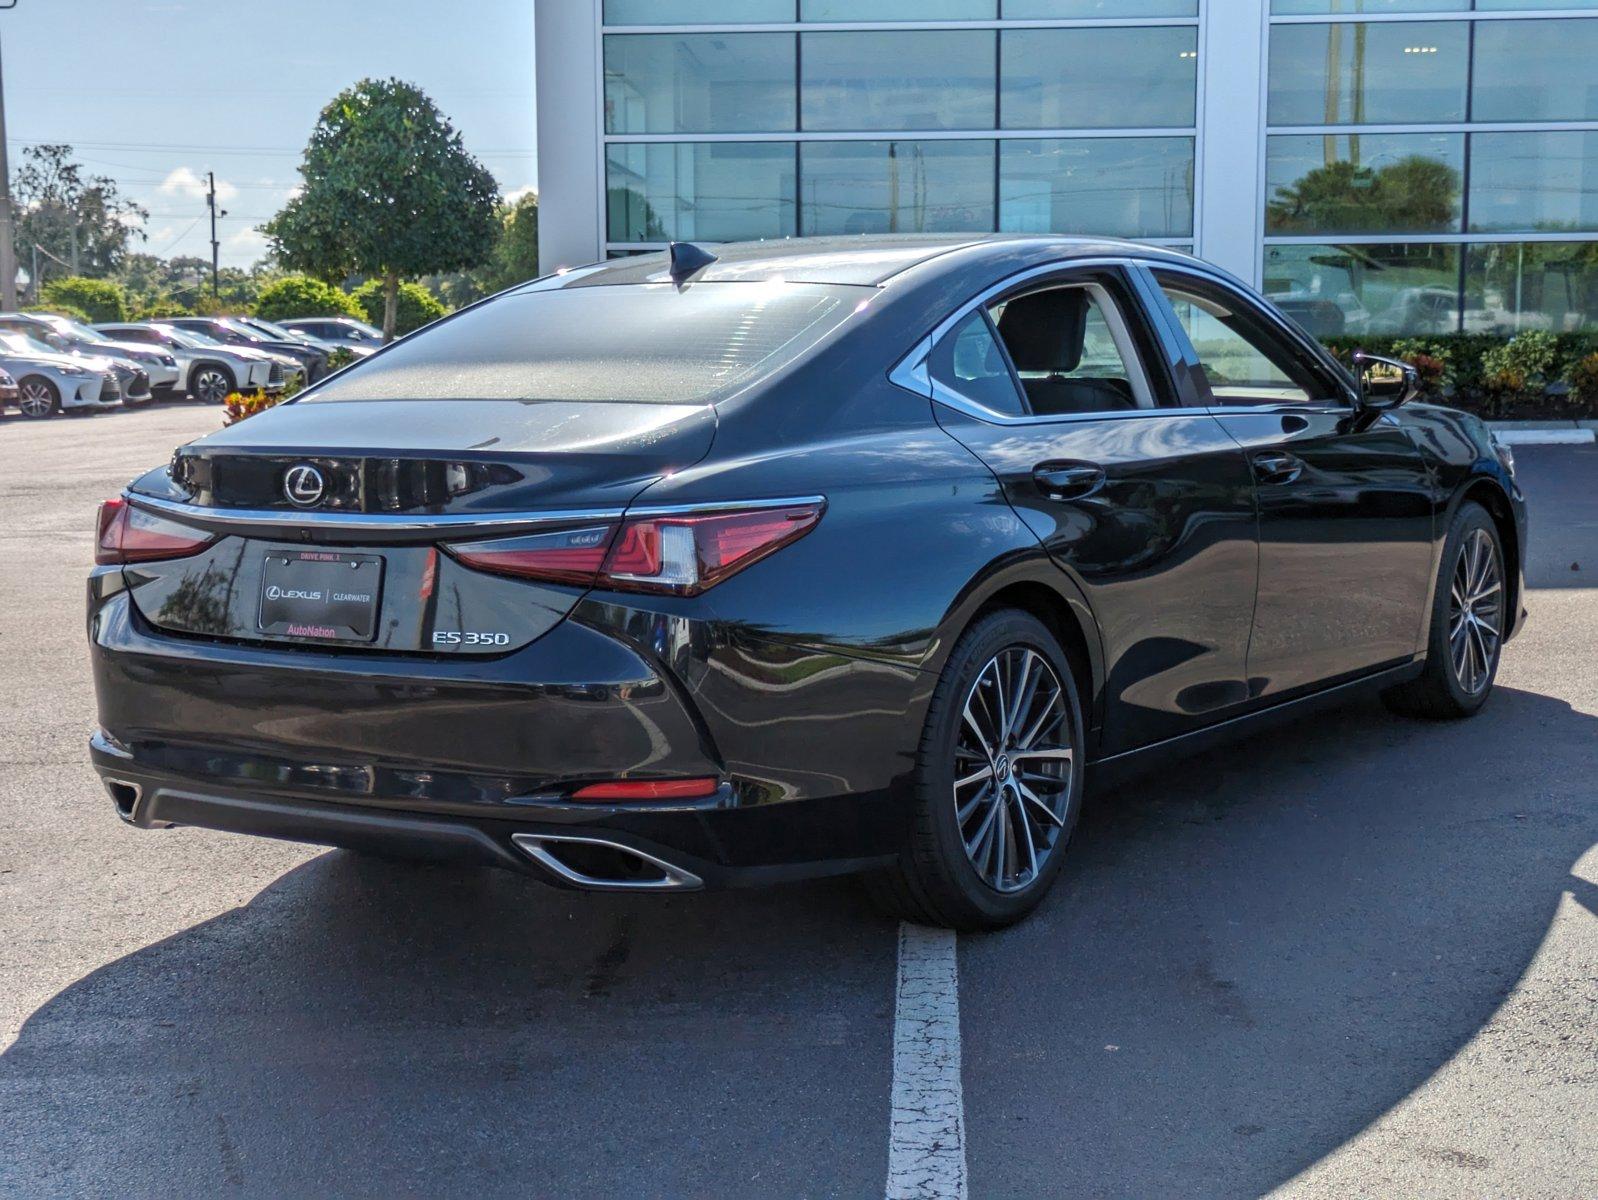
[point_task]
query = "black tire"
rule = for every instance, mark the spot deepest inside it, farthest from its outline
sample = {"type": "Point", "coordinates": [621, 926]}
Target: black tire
{"type": "Point", "coordinates": [936, 880]}
{"type": "Point", "coordinates": [211, 382]}
{"type": "Point", "coordinates": [37, 397]}
{"type": "Point", "coordinates": [1462, 654]}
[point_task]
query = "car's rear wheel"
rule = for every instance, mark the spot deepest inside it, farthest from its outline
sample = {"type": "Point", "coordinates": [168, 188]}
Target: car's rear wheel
{"type": "Point", "coordinates": [1470, 613]}
{"type": "Point", "coordinates": [212, 383]}
{"type": "Point", "coordinates": [38, 397]}
{"type": "Point", "coordinates": [998, 781]}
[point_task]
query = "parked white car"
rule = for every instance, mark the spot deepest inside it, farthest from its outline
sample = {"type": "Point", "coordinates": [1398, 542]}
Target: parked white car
{"type": "Point", "coordinates": [207, 370]}
{"type": "Point", "coordinates": [160, 366]}
{"type": "Point", "coordinates": [48, 382]}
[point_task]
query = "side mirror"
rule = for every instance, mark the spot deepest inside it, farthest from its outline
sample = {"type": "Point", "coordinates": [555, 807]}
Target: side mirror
{"type": "Point", "coordinates": [1384, 383]}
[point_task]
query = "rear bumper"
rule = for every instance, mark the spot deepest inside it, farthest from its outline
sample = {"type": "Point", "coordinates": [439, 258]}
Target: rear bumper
{"type": "Point", "coordinates": [711, 844]}
{"type": "Point", "coordinates": [454, 758]}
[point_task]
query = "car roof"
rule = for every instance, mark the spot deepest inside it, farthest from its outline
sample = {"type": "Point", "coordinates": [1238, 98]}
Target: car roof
{"type": "Point", "coordinates": [867, 259]}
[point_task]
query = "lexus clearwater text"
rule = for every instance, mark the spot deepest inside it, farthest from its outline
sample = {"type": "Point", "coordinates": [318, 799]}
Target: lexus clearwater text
{"type": "Point", "coordinates": [755, 562]}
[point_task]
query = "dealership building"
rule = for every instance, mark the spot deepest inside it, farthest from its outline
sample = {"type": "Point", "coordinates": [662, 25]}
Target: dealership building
{"type": "Point", "coordinates": [1383, 166]}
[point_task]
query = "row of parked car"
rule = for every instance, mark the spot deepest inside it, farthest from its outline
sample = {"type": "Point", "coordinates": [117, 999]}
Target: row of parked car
{"type": "Point", "coordinates": [51, 364]}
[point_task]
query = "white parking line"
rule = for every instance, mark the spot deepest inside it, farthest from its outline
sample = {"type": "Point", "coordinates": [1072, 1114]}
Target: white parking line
{"type": "Point", "coordinates": [926, 1133]}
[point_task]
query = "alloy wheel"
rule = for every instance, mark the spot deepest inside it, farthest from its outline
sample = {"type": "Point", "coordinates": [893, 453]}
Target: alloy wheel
{"type": "Point", "coordinates": [1475, 608]}
{"type": "Point", "coordinates": [36, 399]}
{"type": "Point", "coordinates": [211, 387]}
{"type": "Point", "coordinates": [1012, 768]}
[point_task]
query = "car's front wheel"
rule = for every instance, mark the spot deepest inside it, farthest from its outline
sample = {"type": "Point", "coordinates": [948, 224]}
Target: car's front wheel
{"type": "Point", "coordinates": [1470, 612]}
{"type": "Point", "coordinates": [998, 781]}
{"type": "Point", "coordinates": [38, 397]}
{"type": "Point", "coordinates": [212, 383]}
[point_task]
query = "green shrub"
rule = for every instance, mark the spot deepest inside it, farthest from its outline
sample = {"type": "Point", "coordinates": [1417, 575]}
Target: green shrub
{"type": "Point", "coordinates": [218, 306]}
{"type": "Point", "coordinates": [1493, 374]}
{"type": "Point", "coordinates": [1531, 355]}
{"type": "Point", "coordinates": [101, 299]}
{"type": "Point", "coordinates": [64, 310]}
{"type": "Point", "coordinates": [159, 310]}
{"type": "Point", "coordinates": [416, 306]}
{"type": "Point", "coordinates": [1583, 376]}
{"type": "Point", "coordinates": [302, 296]}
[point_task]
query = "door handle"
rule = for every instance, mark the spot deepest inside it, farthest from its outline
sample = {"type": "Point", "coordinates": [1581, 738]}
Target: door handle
{"type": "Point", "coordinates": [1066, 480]}
{"type": "Point", "coordinates": [1276, 467]}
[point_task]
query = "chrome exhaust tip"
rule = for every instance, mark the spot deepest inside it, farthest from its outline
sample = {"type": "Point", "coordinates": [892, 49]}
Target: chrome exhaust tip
{"type": "Point", "coordinates": [599, 865]}
{"type": "Point", "coordinates": [125, 798]}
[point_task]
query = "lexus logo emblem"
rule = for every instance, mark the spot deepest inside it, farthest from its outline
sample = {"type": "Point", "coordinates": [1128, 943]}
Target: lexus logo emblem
{"type": "Point", "coordinates": [304, 485]}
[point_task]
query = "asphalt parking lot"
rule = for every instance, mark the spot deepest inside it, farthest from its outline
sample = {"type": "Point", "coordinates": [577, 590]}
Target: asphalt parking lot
{"type": "Point", "coordinates": [1352, 957]}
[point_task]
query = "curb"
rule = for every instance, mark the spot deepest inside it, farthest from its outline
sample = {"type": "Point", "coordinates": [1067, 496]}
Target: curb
{"type": "Point", "coordinates": [1544, 433]}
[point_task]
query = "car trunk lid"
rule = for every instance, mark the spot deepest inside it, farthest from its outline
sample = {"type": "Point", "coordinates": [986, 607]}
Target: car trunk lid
{"type": "Point", "coordinates": [327, 518]}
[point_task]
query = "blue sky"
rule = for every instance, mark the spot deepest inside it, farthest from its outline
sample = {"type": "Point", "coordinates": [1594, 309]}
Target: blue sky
{"type": "Point", "coordinates": [154, 93]}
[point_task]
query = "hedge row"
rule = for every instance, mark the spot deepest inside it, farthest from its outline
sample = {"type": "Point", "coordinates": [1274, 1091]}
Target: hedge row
{"type": "Point", "coordinates": [1533, 375]}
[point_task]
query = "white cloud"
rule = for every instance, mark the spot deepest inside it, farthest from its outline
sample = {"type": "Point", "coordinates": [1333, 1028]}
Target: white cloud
{"type": "Point", "coordinates": [189, 183]}
{"type": "Point", "coordinates": [243, 247]}
{"type": "Point", "coordinates": [515, 196]}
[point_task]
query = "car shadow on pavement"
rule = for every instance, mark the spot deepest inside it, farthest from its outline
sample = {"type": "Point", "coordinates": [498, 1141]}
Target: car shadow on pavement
{"type": "Point", "coordinates": [364, 1027]}
{"type": "Point", "coordinates": [1256, 954]}
{"type": "Point", "coordinates": [1250, 957]}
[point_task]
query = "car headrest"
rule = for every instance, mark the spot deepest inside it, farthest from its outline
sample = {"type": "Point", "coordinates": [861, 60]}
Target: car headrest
{"type": "Point", "coordinates": [1044, 331]}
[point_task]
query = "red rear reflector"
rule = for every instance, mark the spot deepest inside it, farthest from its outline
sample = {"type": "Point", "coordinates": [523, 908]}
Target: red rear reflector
{"type": "Point", "coordinates": [127, 534]}
{"type": "Point", "coordinates": [648, 789]}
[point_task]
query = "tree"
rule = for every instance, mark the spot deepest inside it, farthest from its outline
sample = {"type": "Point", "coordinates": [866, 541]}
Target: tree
{"type": "Point", "coordinates": [73, 218]}
{"type": "Point", "coordinates": [390, 191]}
{"type": "Point", "coordinates": [303, 296]}
{"type": "Point", "coordinates": [413, 305]}
{"type": "Point", "coordinates": [514, 258]}
{"type": "Point", "coordinates": [1414, 194]}
{"type": "Point", "coordinates": [100, 298]}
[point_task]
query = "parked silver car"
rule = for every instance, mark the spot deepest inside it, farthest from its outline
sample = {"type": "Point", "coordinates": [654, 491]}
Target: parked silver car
{"type": "Point", "coordinates": [132, 378]}
{"type": "Point", "coordinates": [49, 382]}
{"type": "Point", "coordinates": [208, 370]}
{"type": "Point", "coordinates": [160, 366]}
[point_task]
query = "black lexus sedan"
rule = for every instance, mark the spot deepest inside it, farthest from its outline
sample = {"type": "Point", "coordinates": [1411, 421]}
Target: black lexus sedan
{"type": "Point", "coordinates": [756, 562]}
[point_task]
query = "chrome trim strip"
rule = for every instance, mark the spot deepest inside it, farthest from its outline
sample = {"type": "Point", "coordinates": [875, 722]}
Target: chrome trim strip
{"type": "Point", "coordinates": [713, 506]}
{"type": "Point", "coordinates": [466, 524]}
{"type": "Point", "coordinates": [676, 878]}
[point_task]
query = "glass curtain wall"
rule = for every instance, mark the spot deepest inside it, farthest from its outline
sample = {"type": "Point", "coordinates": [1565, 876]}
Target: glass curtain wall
{"type": "Point", "coordinates": [734, 119]}
{"type": "Point", "coordinates": [1432, 165]}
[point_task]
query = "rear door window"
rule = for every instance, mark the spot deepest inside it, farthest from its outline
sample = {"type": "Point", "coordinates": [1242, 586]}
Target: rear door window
{"type": "Point", "coordinates": [970, 363]}
{"type": "Point", "coordinates": [1055, 351]}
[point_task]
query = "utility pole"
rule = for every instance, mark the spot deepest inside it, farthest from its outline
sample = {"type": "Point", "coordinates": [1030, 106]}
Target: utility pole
{"type": "Point", "coordinates": [8, 246]}
{"type": "Point", "coordinates": [216, 248]}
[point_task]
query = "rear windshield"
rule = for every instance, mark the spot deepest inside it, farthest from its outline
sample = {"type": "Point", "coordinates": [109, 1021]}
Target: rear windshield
{"type": "Point", "coordinates": [646, 343]}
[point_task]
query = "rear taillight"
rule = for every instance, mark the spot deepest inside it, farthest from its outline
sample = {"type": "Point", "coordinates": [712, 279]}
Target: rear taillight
{"type": "Point", "coordinates": [562, 556]}
{"type": "Point", "coordinates": [128, 535]}
{"type": "Point", "coordinates": [676, 553]}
